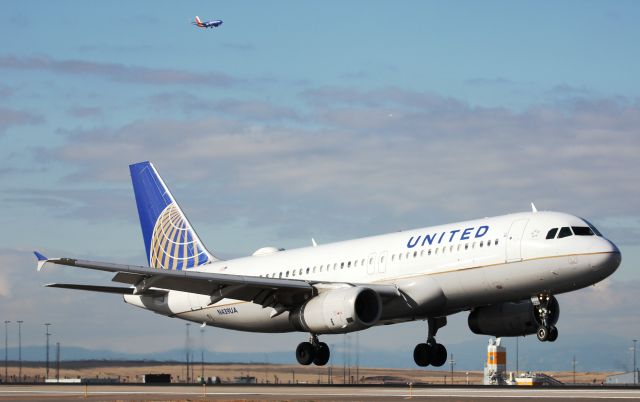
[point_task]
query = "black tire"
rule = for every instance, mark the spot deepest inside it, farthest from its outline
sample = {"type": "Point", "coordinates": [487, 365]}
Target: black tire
{"type": "Point", "coordinates": [305, 353]}
{"type": "Point", "coordinates": [422, 354]}
{"type": "Point", "coordinates": [322, 354]}
{"type": "Point", "coordinates": [439, 355]}
{"type": "Point", "coordinates": [542, 333]}
{"type": "Point", "coordinates": [553, 334]}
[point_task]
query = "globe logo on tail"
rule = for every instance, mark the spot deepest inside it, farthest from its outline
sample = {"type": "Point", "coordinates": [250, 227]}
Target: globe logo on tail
{"type": "Point", "coordinates": [173, 243]}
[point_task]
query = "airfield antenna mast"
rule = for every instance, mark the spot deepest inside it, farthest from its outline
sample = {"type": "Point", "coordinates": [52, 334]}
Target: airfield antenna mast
{"type": "Point", "coordinates": [6, 342]}
{"type": "Point", "coordinates": [47, 334]}
{"type": "Point", "coordinates": [20, 350]}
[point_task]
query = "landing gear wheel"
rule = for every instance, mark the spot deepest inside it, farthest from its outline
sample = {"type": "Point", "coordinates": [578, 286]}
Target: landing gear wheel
{"type": "Point", "coordinates": [322, 354]}
{"type": "Point", "coordinates": [305, 353]}
{"type": "Point", "coordinates": [553, 334]}
{"type": "Point", "coordinates": [422, 354]}
{"type": "Point", "coordinates": [543, 333]}
{"type": "Point", "coordinates": [438, 355]}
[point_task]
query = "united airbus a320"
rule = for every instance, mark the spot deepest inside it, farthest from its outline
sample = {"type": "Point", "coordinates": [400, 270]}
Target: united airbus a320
{"type": "Point", "coordinates": [504, 271]}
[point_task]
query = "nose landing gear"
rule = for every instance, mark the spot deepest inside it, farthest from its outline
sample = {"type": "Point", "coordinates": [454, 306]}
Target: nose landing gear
{"type": "Point", "coordinates": [547, 332]}
{"type": "Point", "coordinates": [314, 351]}
{"type": "Point", "coordinates": [431, 352]}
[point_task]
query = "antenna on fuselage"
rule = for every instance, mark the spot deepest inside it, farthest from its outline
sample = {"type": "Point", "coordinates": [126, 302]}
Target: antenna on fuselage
{"type": "Point", "coordinates": [533, 208]}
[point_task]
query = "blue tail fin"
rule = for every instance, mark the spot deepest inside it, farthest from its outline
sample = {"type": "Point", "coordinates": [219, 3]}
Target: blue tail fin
{"type": "Point", "coordinates": [170, 240]}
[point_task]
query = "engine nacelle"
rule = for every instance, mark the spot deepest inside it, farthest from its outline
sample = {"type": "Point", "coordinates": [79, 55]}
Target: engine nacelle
{"type": "Point", "coordinates": [511, 319]}
{"type": "Point", "coordinates": [338, 311]}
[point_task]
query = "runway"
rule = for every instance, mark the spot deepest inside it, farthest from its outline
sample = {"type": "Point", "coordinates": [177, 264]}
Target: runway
{"type": "Point", "coordinates": [306, 393]}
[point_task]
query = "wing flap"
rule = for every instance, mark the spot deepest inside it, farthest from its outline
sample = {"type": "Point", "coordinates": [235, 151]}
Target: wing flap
{"type": "Point", "coordinates": [104, 289]}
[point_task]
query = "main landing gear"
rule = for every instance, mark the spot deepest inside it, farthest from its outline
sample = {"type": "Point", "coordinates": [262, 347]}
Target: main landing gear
{"type": "Point", "coordinates": [431, 353]}
{"type": "Point", "coordinates": [545, 310]}
{"type": "Point", "coordinates": [314, 351]}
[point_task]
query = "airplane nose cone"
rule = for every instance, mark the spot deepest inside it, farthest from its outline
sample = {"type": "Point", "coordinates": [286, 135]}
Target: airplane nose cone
{"type": "Point", "coordinates": [608, 258]}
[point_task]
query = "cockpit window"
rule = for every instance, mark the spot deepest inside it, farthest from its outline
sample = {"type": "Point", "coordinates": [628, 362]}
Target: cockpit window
{"type": "Point", "coordinates": [552, 233]}
{"type": "Point", "coordinates": [596, 231]}
{"type": "Point", "coordinates": [582, 230]}
{"type": "Point", "coordinates": [564, 232]}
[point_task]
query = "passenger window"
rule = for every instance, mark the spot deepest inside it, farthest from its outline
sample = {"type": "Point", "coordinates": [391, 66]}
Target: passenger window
{"type": "Point", "coordinates": [408, 254]}
{"type": "Point", "coordinates": [300, 273]}
{"type": "Point", "coordinates": [382, 259]}
{"type": "Point", "coordinates": [496, 243]}
{"type": "Point", "coordinates": [293, 273]}
{"type": "Point", "coordinates": [280, 275]}
{"type": "Point", "coordinates": [466, 246]}
{"type": "Point", "coordinates": [564, 232]}
{"type": "Point", "coordinates": [371, 260]}
{"type": "Point", "coordinates": [582, 231]}
{"type": "Point", "coordinates": [552, 233]}
{"type": "Point", "coordinates": [342, 265]}
{"type": "Point", "coordinates": [422, 253]}
{"type": "Point", "coordinates": [488, 243]}
{"type": "Point", "coordinates": [287, 274]}
{"type": "Point", "coordinates": [451, 248]}
{"type": "Point", "coordinates": [415, 254]}
{"type": "Point", "coordinates": [459, 245]}
{"type": "Point", "coordinates": [429, 252]}
{"type": "Point", "coordinates": [308, 270]}
{"type": "Point", "coordinates": [362, 262]}
{"type": "Point", "coordinates": [399, 256]}
{"type": "Point", "coordinates": [481, 243]}
{"type": "Point", "coordinates": [393, 257]}
{"type": "Point", "coordinates": [435, 251]}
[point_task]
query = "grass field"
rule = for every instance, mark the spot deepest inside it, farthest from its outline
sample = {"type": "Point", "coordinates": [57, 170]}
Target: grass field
{"type": "Point", "coordinates": [132, 372]}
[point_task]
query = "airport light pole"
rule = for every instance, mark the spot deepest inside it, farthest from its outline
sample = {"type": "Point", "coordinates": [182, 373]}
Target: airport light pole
{"type": "Point", "coordinates": [187, 351]}
{"type": "Point", "coordinates": [451, 362]}
{"type": "Point", "coordinates": [6, 345]}
{"type": "Point", "coordinates": [635, 371]}
{"type": "Point", "coordinates": [47, 334]}
{"type": "Point", "coordinates": [20, 350]}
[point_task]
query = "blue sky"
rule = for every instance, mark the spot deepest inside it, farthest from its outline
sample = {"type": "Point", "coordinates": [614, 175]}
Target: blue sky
{"type": "Point", "coordinates": [300, 119]}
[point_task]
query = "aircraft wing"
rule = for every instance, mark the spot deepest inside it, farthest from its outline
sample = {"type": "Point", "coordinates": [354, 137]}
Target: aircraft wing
{"type": "Point", "coordinates": [282, 294]}
{"type": "Point", "coordinates": [265, 291]}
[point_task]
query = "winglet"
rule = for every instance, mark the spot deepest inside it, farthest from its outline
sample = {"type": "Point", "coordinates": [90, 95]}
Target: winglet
{"type": "Point", "coordinates": [313, 241]}
{"type": "Point", "coordinates": [533, 208]}
{"type": "Point", "coordinates": [41, 259]}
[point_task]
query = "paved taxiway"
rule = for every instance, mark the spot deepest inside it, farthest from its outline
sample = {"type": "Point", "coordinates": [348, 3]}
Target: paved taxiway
{"type": "Point", "coordinates": [307, 393]}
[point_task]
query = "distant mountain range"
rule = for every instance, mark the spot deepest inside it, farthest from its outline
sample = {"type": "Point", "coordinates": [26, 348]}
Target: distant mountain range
{"type": "Point", "coordinates": [594, 352]}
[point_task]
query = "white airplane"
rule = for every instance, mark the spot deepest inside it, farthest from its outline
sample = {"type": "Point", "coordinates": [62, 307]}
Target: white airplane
{"type": "Point", "coordinates": [505, 270]}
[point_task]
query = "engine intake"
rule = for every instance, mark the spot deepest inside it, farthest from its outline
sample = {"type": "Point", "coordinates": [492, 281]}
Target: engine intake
{"type": "Point", "coordinates": [338, 311]}
{"type": "Point", "coordinates": [511, 319]}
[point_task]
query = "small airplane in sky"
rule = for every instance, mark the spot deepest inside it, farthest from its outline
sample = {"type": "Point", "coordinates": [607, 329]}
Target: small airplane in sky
{"type": "Point", "coordinates": [206, 24]}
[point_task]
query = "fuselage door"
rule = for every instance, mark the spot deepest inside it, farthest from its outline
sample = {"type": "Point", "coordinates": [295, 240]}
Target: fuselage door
{"type": "Point", "coordinates": [371, 264]}
{"type": "Point", "coordinates": [382, 263]}
{"type": "Point", "coordinates": [514, 240]}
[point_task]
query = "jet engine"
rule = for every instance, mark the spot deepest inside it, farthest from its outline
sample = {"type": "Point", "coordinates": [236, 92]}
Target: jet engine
{"type": "Point", "coordinates": [512, 319]}
{"type": "Point", "coordinates": [338, 311]}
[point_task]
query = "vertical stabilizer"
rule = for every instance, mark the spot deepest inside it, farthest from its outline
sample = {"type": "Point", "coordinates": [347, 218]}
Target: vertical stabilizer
{"type": "Point", "coordinates": [169, 239]}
